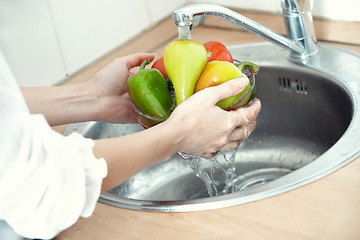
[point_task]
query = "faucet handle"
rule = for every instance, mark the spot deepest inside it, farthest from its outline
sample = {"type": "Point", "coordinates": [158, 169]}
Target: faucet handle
{"type": "Point", "coordinates": [299, 25]}
{"type": "Point", "coordinates": [297, 6]}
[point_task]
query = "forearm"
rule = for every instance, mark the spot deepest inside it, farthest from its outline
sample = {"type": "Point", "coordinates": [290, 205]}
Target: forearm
{"type": "Point", "coordinates": [127, 155]}
{"type": "Point", "coordinates": [62, 104]}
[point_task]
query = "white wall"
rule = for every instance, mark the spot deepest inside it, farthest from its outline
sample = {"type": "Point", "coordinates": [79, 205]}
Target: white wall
{"type": "Point", "coordinates": [86, 29]}
{"type": "Point", "coordinates": [46, 40]}
{"type": "Point", "coordinates": [343, 10]}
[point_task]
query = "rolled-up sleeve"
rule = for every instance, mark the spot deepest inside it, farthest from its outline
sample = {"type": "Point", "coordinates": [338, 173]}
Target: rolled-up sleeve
{"type": "Point", "coordinates": [47, 180]}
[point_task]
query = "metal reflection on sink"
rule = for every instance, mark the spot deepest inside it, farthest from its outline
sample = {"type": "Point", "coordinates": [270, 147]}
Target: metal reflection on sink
{"type": "Point", "coordinates": [307, 129]}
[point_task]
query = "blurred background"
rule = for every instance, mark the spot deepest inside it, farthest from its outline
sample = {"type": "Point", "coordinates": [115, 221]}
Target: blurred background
{"type": "Point", "coordinates": [45, 41]}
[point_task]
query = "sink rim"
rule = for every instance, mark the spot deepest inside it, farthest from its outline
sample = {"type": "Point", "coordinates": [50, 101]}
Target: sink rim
{"type": "Point", "coordinates": [344, 149]}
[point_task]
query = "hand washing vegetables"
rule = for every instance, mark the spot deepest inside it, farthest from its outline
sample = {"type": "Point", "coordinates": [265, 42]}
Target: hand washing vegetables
{"type": "Point", "coordinates": [184, 60]}
{"type": "Point", "coordinates": [148, 90]}
{"type": "Point", "coordinates": [188, 67]}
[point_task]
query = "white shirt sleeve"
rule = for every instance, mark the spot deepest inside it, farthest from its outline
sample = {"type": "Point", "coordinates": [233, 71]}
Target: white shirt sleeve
{"type": "Point", "coordinates": [47, 180]}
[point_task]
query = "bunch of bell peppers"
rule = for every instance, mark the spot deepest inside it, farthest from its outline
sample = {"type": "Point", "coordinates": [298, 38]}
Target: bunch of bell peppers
{"type": "Point", "coordinates": [187, 67]}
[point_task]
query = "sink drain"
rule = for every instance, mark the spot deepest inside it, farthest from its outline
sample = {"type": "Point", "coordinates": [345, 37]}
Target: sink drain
{"type": "Point", "coordinates": [258, 177]}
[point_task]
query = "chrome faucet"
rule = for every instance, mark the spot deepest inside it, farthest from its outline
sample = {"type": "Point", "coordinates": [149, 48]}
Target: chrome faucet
{"type": "Point", "coordinates": [300, 40]}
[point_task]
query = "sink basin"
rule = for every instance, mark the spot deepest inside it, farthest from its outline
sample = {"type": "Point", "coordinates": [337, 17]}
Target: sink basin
{"type": "Point", "coordinates": [309, 127]}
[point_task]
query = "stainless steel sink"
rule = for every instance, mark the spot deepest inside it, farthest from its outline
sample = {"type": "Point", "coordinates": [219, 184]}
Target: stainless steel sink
{"type": "Point", "coordinates": [309, 127]}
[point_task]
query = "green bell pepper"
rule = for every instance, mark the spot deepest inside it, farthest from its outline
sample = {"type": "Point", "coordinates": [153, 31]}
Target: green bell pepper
{"type": "Point", "coordinates": [149, 92]}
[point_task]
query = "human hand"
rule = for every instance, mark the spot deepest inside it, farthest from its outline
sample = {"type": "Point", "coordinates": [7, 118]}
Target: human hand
{"type": "Point", "coordinates": [206, 128]}
{"type": "Point", "coordinates": [110, 87]}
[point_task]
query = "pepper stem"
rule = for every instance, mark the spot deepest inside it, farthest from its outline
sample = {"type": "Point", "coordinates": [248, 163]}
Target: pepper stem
{"type": "Point", "coordinates": [143, 64]}
{"type": "Point", "coordinates": [254, 67]}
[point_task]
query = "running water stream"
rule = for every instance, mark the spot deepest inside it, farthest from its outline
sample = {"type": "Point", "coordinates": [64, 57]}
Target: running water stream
{"type": "Point", "coordinates": [184, 32]}
{"type": "Point", "coordinates": [218, 173]}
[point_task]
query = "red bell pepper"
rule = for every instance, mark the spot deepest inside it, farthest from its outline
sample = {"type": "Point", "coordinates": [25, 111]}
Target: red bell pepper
{"type": "Point", "coordinates": [159, 65]}
{"type": "Point", "coordinates": [217, 51]}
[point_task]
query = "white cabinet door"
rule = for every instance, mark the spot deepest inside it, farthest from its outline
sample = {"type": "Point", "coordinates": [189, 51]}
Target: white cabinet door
{"type": "Point", "coordinates": [87, 29]}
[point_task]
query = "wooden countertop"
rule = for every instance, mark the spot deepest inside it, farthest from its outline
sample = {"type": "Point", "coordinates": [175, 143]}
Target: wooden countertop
{"type": "Point", "coordinates": [326, 209]}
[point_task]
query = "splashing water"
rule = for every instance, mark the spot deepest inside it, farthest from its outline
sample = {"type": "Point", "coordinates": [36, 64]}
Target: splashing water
{"type": "Point", "coordinates": [218, 173]}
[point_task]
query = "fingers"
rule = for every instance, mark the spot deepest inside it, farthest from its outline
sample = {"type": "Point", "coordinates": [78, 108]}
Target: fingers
{"type": "Point", "coordinates": [228, 89]}
{"type": "Point", "coordinates": [207, 155]}
{"type": "Point", "coordinates": [230, 146]}
{"type": "Point", "coordinates": [246, 115]}
{"type": "Point", "coordinates": [245, 125]}
{"type": "Point", "coordinates": [238, 135]}
{"type": "Point", "coordinates": [235, 127]}
{"type": "Point", "coordinates": [246, 122]}
{"type": "Point", "coordinates": [242, 132]}
{"type": "Point", "coordinates": [135, 60]}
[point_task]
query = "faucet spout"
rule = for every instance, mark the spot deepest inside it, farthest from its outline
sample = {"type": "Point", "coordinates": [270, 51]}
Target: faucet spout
{"type": "Point", "coordinates": [296, 42]}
